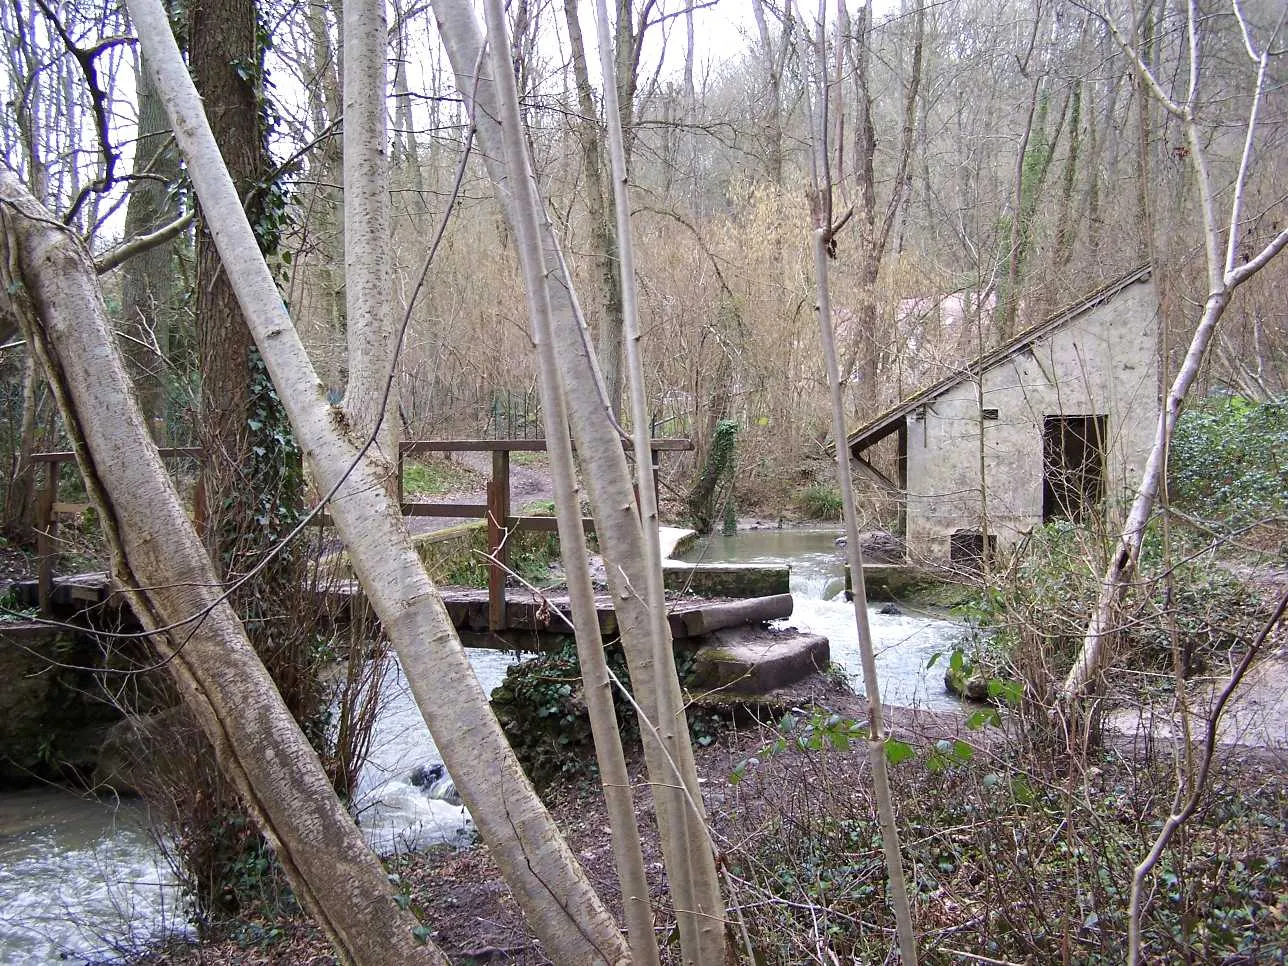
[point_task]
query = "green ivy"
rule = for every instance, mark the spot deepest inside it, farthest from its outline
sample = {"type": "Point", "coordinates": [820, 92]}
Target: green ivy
{"type": "Point", "coordinates": [1228, 461]}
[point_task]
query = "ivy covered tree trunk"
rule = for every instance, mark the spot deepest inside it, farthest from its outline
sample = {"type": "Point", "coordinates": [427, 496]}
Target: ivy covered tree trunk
{"type": "Point", "coordinates": [706, 501]}
{"type": "Point", "coordinates": [251, 475]}
{"type": "Point", "coordinates": [225, 66]}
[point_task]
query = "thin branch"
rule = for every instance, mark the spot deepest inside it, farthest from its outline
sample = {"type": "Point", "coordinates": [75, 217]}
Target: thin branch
{"type": "Point", "coordinates": [85, 57]}
{"type": "Point", "coordinates": [1190, 803]}
{"type": "Point", "coordinates": [114, 257]}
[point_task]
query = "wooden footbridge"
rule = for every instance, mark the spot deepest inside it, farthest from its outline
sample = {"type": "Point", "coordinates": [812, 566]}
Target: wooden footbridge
{"type": "Point", "coordinates": [496, 511]}
{"type": "Point", "coordinates": [535, 621]}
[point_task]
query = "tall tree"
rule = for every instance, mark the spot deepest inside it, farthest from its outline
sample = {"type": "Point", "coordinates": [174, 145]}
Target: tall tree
{"type": "Point", "coordinates": [603, 238]}
{"type": "Point", "coordinates": [556, 897]}
{"type": "Point", "coordinates": [646, 639]}
{"type": "Point", "coordinates": [48, 280]}
{"type": "Point", "coordinates": [373, 333]}
{"type": "Point", "coordinates": [1230, 259]}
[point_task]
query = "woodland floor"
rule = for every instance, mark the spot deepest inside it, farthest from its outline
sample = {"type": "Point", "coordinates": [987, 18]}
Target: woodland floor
{"type": "Point", "coordinates": [460, 895]}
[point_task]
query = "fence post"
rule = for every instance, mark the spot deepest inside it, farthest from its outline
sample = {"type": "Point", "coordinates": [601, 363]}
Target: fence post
{"type": "Point", "coordinates": [498, 511]}
{"type": "Point", "coordinates": [46, 527]}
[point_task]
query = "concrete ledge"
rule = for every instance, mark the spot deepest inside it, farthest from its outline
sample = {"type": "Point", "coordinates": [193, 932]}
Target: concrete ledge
{"type": "Point", "coordinates": [889, 581]}
{"type": "Point", "coordinates": [727, 580]}
{"type": "Point", "coordinates": [749, 661]}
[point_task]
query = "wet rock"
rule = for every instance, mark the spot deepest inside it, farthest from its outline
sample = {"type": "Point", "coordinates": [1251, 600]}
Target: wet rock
{"type": "Point", "coordinates": [973, 687]}
{"type": "Point", "coordinates": [434, 780]}
{"type": "Point", "coordinates": [890, 610]}
{"type": "Point", "coordinates": [880, 546]}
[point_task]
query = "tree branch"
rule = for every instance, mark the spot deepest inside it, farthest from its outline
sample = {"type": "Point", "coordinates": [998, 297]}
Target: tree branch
{"type": "Point", "coordinates": [114, 257]}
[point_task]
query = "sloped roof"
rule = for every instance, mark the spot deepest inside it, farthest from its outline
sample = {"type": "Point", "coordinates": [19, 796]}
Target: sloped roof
{"type": "Point", "coordinates": [889, 421]}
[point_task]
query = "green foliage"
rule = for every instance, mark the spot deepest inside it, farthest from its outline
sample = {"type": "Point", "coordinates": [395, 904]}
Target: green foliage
{"type": "Point", "coordinates": [543, 713]}
{"type": "Point", "coordinates": [542, 710]}
{"type": "Point", "coordinates": [707, 500]}
{"type": "Point", "coordinates": [1228, 461]}
{"type": "Point", "coordinates": [820, 501]}
{"type": "Point", "coordinates": [434, 477]}
{"type": "Point", "coordinates": [459, 558]}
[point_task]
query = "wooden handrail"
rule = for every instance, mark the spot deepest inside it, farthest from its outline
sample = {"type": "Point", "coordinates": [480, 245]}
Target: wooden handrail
{"type": "Point", "coordinates": [496, 511]}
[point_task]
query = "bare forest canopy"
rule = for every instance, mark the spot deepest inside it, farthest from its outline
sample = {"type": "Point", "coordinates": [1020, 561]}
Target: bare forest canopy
{"type": "Point", "coordinates": [1000, 158]}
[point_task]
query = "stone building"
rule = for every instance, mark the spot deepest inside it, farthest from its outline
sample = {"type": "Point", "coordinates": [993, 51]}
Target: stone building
{"type": "Point", "coordinates": [1056, 423]}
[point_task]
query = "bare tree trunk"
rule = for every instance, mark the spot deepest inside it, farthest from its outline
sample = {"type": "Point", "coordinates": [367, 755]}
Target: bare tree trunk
{"type": "Point", "coordinates": [20, 499]}
{"type": "Point", "coordinates": [602, 237]}
{"type": "Point", "coordinates": [1224, 277]}
{"type": "Point", "coordinates": [824, 249]}
{"type": "Point", "coordinates": [559, 902]}
{"type": "Point", "coordinates": [668, 753]}
{"type": "Point", "coordinates": [702, 935]}
{"type": "Point", "coordinates": [327, 171]}
{"type": "Point", "coordinates": [224, 53]}
{"type": "Point", "coordinates": [774, 70]}
{"type": "Point", "coordinates": [598, 688]}
{"type": "Point", "coordinates": [175, 592]}
{"type": "Point", "coordinates": [373, 333]}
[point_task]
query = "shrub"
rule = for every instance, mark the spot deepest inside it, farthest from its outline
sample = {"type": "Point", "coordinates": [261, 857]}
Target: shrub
{"type": "Point", "coordinates": [820, 501]}
{"type": "Point", "coordinates": [1229, 459]}
{"type": "Point", "coordinates": [1030, 623]}
{"type": "Point", "coordinates": [542, 710]}
{"type": "Point", "coordinates": [1001, 860]}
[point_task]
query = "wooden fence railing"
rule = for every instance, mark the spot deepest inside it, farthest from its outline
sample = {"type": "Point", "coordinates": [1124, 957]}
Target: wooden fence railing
{"type": "Point", "coordinates": [496, 511]}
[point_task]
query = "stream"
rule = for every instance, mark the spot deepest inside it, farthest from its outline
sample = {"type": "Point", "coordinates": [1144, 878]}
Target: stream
{"type": "Point", "coordinates": [82, 880]}
{"type": "Point", "coordinates": [904, 643]}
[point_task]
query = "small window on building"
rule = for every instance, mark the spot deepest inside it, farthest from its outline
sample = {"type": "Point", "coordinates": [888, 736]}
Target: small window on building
{"type": "Point", "coordinates": [989, 414]}
{"type": "Point", "coordinates": [966, 549]}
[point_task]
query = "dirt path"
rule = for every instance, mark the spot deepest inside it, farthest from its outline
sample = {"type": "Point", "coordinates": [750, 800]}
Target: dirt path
{"type": "Point", "coordinates": [529, 483]}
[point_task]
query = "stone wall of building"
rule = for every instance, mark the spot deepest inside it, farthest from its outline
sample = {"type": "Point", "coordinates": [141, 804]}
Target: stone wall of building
{"type": "Point", "coordinates": [1102, 362]}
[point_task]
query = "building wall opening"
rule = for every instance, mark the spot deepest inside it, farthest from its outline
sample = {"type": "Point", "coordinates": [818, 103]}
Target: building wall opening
{"type": "Point", "coordinates": [1073, 460]}
{"type": "Point", "coordinates": [966, 549]}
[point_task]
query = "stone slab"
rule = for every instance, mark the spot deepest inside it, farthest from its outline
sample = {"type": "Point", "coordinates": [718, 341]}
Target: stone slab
{"type": "Point", "coordinates": [727, 580]}
{"type": "Point", "coordinates": [758, 660]}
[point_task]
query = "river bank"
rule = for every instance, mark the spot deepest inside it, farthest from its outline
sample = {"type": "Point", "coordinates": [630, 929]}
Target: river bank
{"type": "Point", "coordinates": [982, 839]}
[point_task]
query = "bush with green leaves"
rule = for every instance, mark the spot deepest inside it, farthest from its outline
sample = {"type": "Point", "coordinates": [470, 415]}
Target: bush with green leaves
{"type": "Point", "coordinates": [542, 710]}
{"type": "Point", "coordinates": [820, 501]}
{"type": "Point", "coordinates": [1228, 460]}
{"type": "Point", "coordinates": [1029, 624]}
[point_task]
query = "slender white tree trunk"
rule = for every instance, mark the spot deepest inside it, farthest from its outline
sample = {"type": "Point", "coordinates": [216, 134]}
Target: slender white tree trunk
{"type": "Point", "coordinates": [668, 752]}
{"type": "Point", "coordinates": [1224, 277]}
{"type": "Point", "coordinates": [559, 902]}
{"type": "Point", "coordinates": [824, 232]}
{"type": "Point", "coordinates": [372, 331]}
{"type": "Point", "coordinates": [572, 539]}
{"type": "Point", "coordinates": [175, 593]}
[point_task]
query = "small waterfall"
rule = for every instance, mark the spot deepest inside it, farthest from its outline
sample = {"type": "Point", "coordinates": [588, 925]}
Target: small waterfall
{"type": "Point", "coordinates": [405, 798]}
{"type": "Point", "coordinates": [904, 643]}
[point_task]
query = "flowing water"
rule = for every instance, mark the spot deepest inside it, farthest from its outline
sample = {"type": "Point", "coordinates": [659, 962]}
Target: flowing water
{"type": "Point", "coordinates": [904, 643]}
{"type": "Point", "coordinates": [80, 879]}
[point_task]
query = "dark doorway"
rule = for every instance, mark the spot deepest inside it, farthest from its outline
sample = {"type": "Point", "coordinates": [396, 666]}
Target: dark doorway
{"type": "Point", "coordinates": [966, 549]}
{"type": "Point", "coordinates": [1073, 460]}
